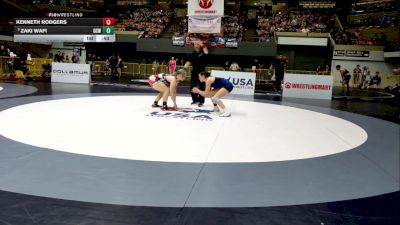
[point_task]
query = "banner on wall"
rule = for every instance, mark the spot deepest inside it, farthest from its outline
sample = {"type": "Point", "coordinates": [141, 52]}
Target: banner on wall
{"type": "Point", "coordinates": [243, 82]}
{"type": "Point", "coordinates": [351, 53]}
{"type": "Point", "coordinates": [307, 86]}
{"type": "Point", "coordinates": [70, 73]}
{"type": "Point", "coordinates": [206, 7]}
{"type": "Point", "coordinates": [231, 43]}
{"type": "Point", "coordinates": [204, 25]}
{"type": "Point", "coordinates": [358, 55]}
{"type": "Point", "coordinates": [212, 42]}
{"type": "Point", "coordinates": [178, 40]}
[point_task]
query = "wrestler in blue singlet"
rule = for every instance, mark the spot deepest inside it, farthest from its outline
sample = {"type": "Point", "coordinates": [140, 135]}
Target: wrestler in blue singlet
{"type": "Point", "coordinates": [222, 83]}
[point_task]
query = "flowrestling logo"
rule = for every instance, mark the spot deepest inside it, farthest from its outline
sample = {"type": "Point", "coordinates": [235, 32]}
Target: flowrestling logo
{"type": "Point", "coordinates": [205, 4]}
{"type": "Point", "coordinates": [289, 85]}
{"type": "Point", "coordinates": [184, 114]}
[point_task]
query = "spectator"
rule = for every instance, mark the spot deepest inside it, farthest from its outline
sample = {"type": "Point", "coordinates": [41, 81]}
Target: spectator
{"type": "Point", "coordinates": [120, 66]}
{"type": "Point", "coordinates": [356, 76]}
{"type": "Point", "coordinates": [113, 67]}
{"type": "Point", "coordinates": [375, 81]}
{"type": "Point", "coordinates": [234, 66]}
{"type": "Point", "coordinates": [227, 65]}
{"type": "Point", "coordinates": [3, 51]}
{"type": "Point", "coordinates": [345, 74]}
{"type": "Point", "coordinates": [327, 70]}
{"type": "Point", "coordinates": [280, 64]}
{"type": "Point", "coordinates": [318, 70]}
{"type": "Point", "coordinates": [75, 58]}
{"type": "Point", "coordinates": [172, 65]}
{"type": "Point", "coordinates": [155, 66]}
{"type": "Point", "coordinates": [367, 80]}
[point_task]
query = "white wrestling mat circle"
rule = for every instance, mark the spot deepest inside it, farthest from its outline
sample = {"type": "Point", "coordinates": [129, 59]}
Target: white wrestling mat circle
{"type": "Point", "coordinates": [127, 127]}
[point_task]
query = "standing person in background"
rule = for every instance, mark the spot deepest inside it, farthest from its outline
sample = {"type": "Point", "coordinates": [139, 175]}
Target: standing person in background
{"type": "Point", "coordinates": [234, 67]}
{"type": "Point", "coordinates": [280, 64]}
{"type": "Point", "coordinates": [75, 57]}
{"type": "Point", "coordinates": [227, 65]}
{"type": "Point", "coordinates": [356, 76]}
{"type": "Point", "coordinates": [154, 66]}
{"type": "Point", "coordinates": [364, 74]}
{"type": "Point", "coordinates": [120, 66]}
{"type": "Point", "coordinates": [327, 70]}
{"type": "Point", "coordinates": [345, 74]}
{"type": "Point", "coordinates": [198, 61]}
{"type": "Point", "coordinates": [318, 70]}
{"type": "Point", "coordinates": [113, 67]}
{"type": "Point", "coordinates": [172, 65]}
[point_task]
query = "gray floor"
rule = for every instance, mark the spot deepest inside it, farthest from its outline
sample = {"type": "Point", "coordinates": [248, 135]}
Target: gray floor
{"type": "Point", "coordinates": [14, 90]}
{"type": "Point", "coordinates": [369, 170]}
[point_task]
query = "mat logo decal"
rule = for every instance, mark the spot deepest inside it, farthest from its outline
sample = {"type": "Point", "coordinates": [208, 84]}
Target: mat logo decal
{"type": "Point", "coordinates": [184, 113]}
{"type": "Point", "coordinates": [288, 85]}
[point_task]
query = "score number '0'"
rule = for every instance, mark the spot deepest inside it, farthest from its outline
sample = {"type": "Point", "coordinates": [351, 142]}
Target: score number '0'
{"type": "Point", "coordinates": [108, 21]}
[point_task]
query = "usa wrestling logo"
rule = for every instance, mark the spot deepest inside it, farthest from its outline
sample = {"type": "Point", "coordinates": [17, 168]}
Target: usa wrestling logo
{"type": "Point", "coordinates": [205, 4]}
{"type": "Point", "coordinates": [185, 114]}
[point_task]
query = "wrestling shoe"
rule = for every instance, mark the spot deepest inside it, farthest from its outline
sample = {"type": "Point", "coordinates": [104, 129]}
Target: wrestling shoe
{"type": "Point", "coordinates": [225, 114]}
{"type": "Point", "coordinates": [154, 105]}
{"type": "Point", "coordinates": [201, 104]}
{"type": "Point", "coordinates": [164, 108]}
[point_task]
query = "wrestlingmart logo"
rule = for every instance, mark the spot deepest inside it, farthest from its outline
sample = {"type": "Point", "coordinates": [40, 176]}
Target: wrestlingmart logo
{"type": "Point", "coordinates": [184, 113]}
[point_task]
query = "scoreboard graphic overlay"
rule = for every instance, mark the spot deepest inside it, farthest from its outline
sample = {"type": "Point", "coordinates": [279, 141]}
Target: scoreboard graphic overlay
{"type": "Point", "coordinates": [64, 30]}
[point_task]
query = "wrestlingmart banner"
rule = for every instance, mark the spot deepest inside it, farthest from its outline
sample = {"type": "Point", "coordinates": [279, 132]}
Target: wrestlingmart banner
{"type": "Point", "coordinates": [307, 86]}
{"type": "Point", "coordinates": [205, 7]}
{"type": "Point", "coordinates": [208, 25]}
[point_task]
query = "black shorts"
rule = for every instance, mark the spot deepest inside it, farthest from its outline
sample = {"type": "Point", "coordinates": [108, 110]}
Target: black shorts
{"type": "Point", "coordinates": [347, 77]}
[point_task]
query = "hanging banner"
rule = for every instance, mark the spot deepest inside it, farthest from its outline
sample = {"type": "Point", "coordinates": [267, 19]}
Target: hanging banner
{"type": "Point", "coordinates": [211, 42]}
{"type": "Point", "coordinates": [205, 7]}
{"type": "Point", "coordinates": [351, 53]}
{"type": "Point", "coordinates": [204, 25]}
